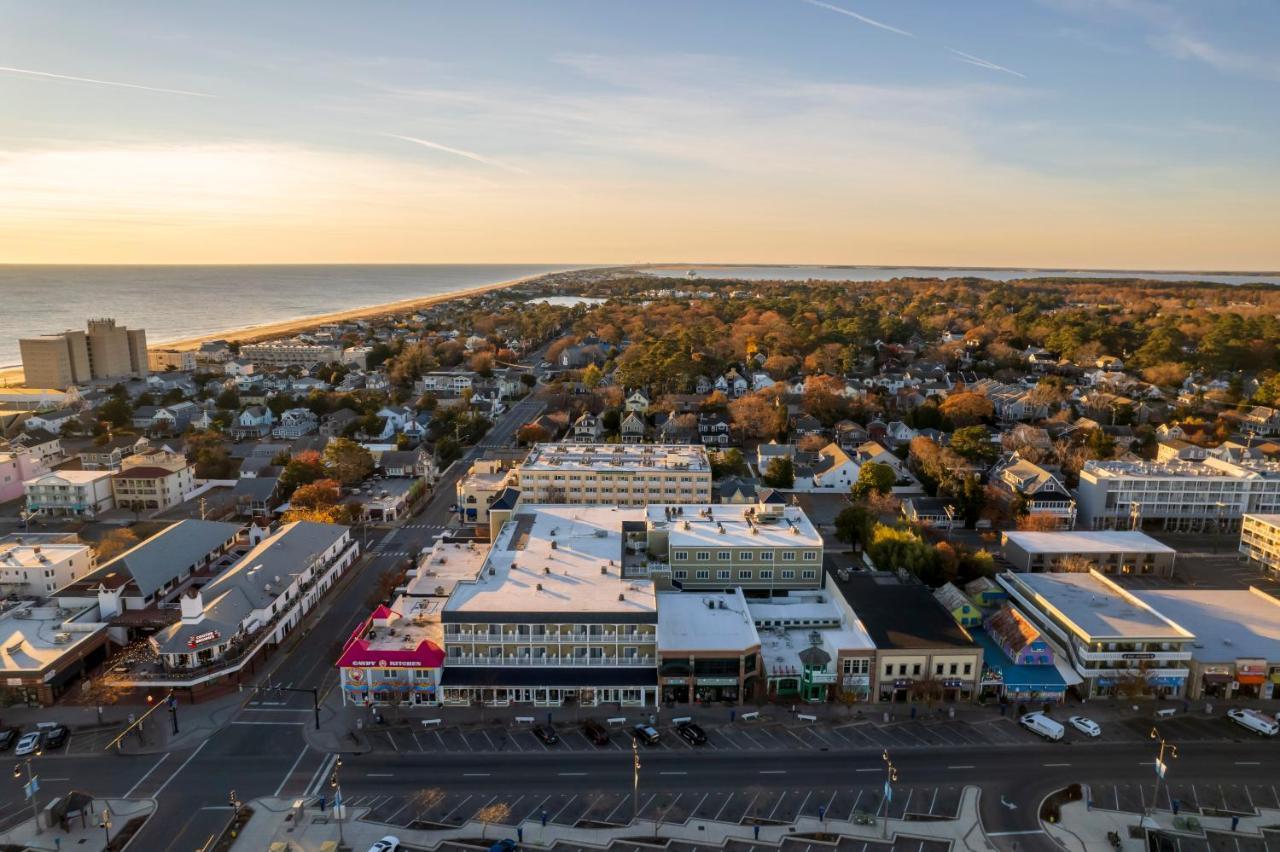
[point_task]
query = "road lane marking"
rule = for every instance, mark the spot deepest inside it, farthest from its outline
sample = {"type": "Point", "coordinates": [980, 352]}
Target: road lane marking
{"type": "Point", "coordinates": [178, 771]}
{"type": "Point", "coordinates": [475, 775]}
{"type": "Point", "coordinates": [673, 773]}
{"type": "Point", "coordinates": [154, 767]}
{"type": "Point", "coordinates": [1014, 833]}
{"type": "Point", "coordinates": [962, 766]}
{"type": "Point", "coordinates": [1248, 763]}
{"type": "Point", "coordinates": [1055, 764]}
{"type": "Point", "coordinates": [289, 774]}
{"type": "Point", "coordinates": [379, 775]}
{"type": "Point", "coordinates": [869, 769]}
{"type": "Point", "coordinates": [773, 772]}
{"type": "Point", "coordinates": [571, 774]}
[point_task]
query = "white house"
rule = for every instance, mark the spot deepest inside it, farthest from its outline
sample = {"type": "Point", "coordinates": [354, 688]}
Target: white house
{"type": "Point", "coordinates": [295, 423]}
{"type": "Point", "coordinates": [70, 493]}
{"type": "Point", "coordinates": [50, 421]}
{"type": "Point", "coordinates": [254, 422]}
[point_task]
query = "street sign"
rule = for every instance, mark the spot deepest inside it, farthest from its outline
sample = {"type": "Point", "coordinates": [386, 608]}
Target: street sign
{"type": "Point", "coordinates": [32, 787]}
{"type": "Point", "coordinates": [888, 791]}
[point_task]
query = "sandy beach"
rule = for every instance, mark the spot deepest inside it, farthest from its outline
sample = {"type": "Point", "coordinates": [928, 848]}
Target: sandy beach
{"type": "Point", "coordinates": [286, 328]}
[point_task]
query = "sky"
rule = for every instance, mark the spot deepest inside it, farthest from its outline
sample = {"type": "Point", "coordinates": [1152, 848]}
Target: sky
{"type": "Point", "coordinates": [1136, 134]}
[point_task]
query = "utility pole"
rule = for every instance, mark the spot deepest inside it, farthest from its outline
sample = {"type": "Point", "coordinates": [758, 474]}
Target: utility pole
{"type": "Point", "coordinates": [202, 508]}
{"type": "Point", "coordinates": [337, 799]}
{"type": "Point", "coordinates": [33, 784]}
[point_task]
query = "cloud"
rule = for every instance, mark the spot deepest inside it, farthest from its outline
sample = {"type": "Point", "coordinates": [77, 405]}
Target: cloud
{"type": "Point", "coordinates": [984, 63]}
{"type": "Point", "coordinates": [50, 76]}
{"type": "Point", "coordinates": [1185, 46]}
{"type": "Point", "coordinates": [457, 152]}
{"type": "Point", "coordinates": [863, 18]}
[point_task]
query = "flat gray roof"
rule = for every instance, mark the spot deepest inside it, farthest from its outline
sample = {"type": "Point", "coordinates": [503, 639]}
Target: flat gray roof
{"type": "Point", "coordinates": [1087, 541]}
{"type": "Point", "coordinates": [1096, 606]}
{"type": "Point", "coordinates": [1228, 624]}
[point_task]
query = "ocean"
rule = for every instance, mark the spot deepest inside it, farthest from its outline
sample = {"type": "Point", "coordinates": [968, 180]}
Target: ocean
{"type": "Point", "coordinates": [177, 302]}
{"type": "Point", "coordinates": [885, 273]}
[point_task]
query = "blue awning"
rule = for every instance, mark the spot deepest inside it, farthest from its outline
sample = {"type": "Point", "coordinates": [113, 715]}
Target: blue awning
{"type": "Point", "coordinates": [1018, 678]}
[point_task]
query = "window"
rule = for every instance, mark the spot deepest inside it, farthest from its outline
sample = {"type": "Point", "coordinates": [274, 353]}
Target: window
{"type": "Point", "coordinates": [723, 555]}
{"type": "Point", "coordinates": [788, 575]}
{"type": "Point", "coordinates": [680, 575]}
{"type": "Point", "coordinates": [915, 669]}
{"type": "Point", "coordinates": [680, 555]}
{"type": "Point", "coordinates": [723, 574]}
{"type": "Point", "coordinates": [766, 573]}
{"type": "Point", "coordinates": [888, 670]}
{"type": "Point", "coordinates": [788, 556]}
{"type": "Point", "coordinates": [702, 574]}
{"type": "Point", "coordinates": [856, 665]}
{"type": "Point", "coordinates": [744, 574]}
{"type": "Point", "coordinates": [703, 556]}
{"type": "Point", "coordinates": [902, 669]}
{"type": "Point", "coordinates": [745, 556]}
{"type": "Point", "coordinates": [954, 668]}
{"type": "Point", "coordinates": [968, 667]}
{"type": "Point", "coordinates": [808, 575]}
{"type": "Point", "coordinates": [937, 669]}
{"type": "Point", "coordinates": [766, 556]}
{"type": "Point", "coordinates": [810, 555]}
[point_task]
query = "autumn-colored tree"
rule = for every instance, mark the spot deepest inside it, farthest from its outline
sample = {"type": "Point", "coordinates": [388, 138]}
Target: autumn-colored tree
{"type": "Point", "coordinates": [824, 398]}
{"type": "Point", "coordinates": [113, 543]}
{"type": "Point", "coordinates": [532, 433]}
{"type": "Point", "coordinates": [591, 376]}
{"type": "Point", "coordinates": [756, 416]}
{"type": "Point", "coordinates": [1038, 523]}
{"type": "Point", "coordinates": [347, 461]}
{"type": "Point", "coordinates": [303, 469]}
{"type": "Point", "coordinates": [209, 455]}
{"type": "Point", "coordinates": [316, 495]}
{"type": "Point", "coordinates": [966, 408]}
{"type": "Point", "coordinates": [482, 363]}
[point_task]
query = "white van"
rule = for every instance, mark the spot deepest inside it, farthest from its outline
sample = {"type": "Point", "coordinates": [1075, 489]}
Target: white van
{"type": "Point", "coordinates": [1038, 723]}
{"type": "Point", "coordinates": [1260, 724]}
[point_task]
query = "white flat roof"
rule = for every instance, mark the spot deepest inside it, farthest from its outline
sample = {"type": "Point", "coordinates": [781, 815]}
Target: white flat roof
{"type": "Point", "coordinates": [1087, 541]}
{"type": "Point", "coordinates": [689, 621]}
{"type": "Point", "coordinates": [573, 552]}
{"type": "Point", "coordinates": [734, 525]}
{"type": "Point", "coordinates": [632, 458]}
{"type": "Point", "coordinates": [1098, 607]}
{"type": "Point", "coordinates": [444, 566]}
{"type": "Point", "coordinates": [31, 643]}
{"type": "Point", "coordinates": [28, 555]}
{"type": "Point", "coordinates": [1228, 624]}
{"type": "Point", "coordinates": [74, 477]}
{"type": "Point", "coordinates": [816, 607]}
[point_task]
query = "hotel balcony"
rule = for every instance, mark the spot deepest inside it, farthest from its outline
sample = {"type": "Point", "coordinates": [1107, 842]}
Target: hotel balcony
{"type": "Point", "coordinates": [550, 661]}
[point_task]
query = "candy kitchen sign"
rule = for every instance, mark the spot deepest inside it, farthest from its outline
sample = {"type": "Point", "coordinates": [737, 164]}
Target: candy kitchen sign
{"type": "Point", "coordinates": [203, 639]}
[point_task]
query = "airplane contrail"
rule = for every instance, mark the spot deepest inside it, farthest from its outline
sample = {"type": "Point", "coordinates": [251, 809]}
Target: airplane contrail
{"type": "Point", "coordinates": [863, 18]}
{"type": "Point", "coordinates": [457, 152]}
{"type": "Point", "coordinates": [984, 63]}
{"type": "Point", "coordinates": [30, 73]}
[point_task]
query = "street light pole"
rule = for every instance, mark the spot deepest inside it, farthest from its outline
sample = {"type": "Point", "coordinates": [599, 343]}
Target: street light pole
{"type": "Point", "coordinates": [31, 787]}
{"type": "Point", "coordinates": [890, 775]}
{"type": "Point", "coordinates": [337, 799]}
{"type": "Point", "coordinates": [635, 781]}
{"type": "Point", "coordinates": [1161, 768]}
{"type": "Point", "coordinates": [106, 825]}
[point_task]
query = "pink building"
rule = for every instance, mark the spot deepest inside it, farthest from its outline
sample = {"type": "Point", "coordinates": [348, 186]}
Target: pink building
{"type": "Point", "coordinates": [393, 658]}
{"type": "Point", "coordinates": [16, 468]}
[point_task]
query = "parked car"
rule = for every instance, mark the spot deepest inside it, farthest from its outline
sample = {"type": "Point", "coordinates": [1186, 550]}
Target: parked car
{"type": "Point", "coordinates": [546, 734]}
{"type": "Point", "coordinates": [647, 734]}
{"type": "Point", "coordinates": [56, 737]}
{"type": "Point", "coordinates": [1257, 722]}
{"type": "Point", "coordinates": [506, 844]}
{"type": "Point", "coordinates": [1038, 723]}
{"type": "Point", "coordinates": [1086, 726]}
{"type": "Point", "coordinates": [691, 733]}
{"type": "Point", "coordinates": [7, 737]}
{"type": "Point", "coordinates": [390, 843]}
{"type": "Point", "coordinates": [29, 743]}
{"type": "Point", "coordinates": [594, 731]}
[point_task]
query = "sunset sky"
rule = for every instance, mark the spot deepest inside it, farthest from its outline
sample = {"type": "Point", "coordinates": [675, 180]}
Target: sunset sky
{"type": "Point", "coordinates": [1087, 133]}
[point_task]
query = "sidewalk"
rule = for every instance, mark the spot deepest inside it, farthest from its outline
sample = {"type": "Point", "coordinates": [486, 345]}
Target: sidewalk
{"type": "Point", "coordinates": [274, 821]}
{"type": "Point", "coordinates": [90, 837]}
{"type": "Point", "coordinates": [1084, 830]}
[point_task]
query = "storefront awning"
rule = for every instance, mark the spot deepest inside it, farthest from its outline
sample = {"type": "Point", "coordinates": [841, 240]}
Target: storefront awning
{"type": "Point", "coordinates": [1215, 678]}
{"type": "Point", "coordinates": [552, 677]}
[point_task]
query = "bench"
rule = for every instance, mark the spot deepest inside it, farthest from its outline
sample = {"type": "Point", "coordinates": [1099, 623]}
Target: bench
{"type": "Point", "coordinates": [524, 720]}
{"type": "Point", "coordinates": [805, 717]}
{"type": "Point", "coordinates": [750, 717]}
{"type": "Point", "coordinates": [1166, 713]}
{"type": "Point", "coordinates": [680, 720]}
{"type": "Point", "coordinates": [431, 723]}
{"type": "Point", "coordinates": [617, 720]}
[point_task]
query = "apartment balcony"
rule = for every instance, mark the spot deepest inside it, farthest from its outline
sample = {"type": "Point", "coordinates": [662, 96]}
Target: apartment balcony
{"type": "Point", "coordinates": [551, 661]}
{"type": "Point", "coordinates": [511, 638]}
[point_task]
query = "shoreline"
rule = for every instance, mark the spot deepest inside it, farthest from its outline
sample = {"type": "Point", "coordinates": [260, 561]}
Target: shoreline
{"type": "Point", "coordinates": [12, 376]}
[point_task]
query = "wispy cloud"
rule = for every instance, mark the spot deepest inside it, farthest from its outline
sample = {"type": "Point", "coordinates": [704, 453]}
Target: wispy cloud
{"type": "Point", "coordinates": [457, 152]}
{"type": "Point", "coordinates": [27, 72]}
{"type": "Point", "coordinates": [872, 22]}
{"type": "Point", "coordinates": [1186, 46]}
{"type": "Point", "coordinates": [984, 63]}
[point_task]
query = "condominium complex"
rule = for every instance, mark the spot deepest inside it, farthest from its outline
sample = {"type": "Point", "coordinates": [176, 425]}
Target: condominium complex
{"type": "Point", "coordinates": [70, 493]}
{"type": "Point", "coordinates": [615, 474]}
{"type": "Point", "coordinates": [1109, 551]}
{"type": "Point", "coordinates": [550, 617]}
{"type": "Point", "coordinates": [103, 351]}
{"type": "Point", "coordinates": [290, 354]}
{"type": "Point", "coordinates": [1212, 494]}
{"type": "Point", "coordinates": [756, 547]}
{"type": "Point", "coordinates": [1260, 541]}
{"type": "Point", "coordinates": [160, 360]}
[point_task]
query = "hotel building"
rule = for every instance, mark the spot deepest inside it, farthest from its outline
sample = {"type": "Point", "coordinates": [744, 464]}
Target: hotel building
{"type": "Point", "coordinates": [290, 354]}
{"type": "Point", "coordinates": [615, 474]}
{"type": "Point", "coordinates": [39, 569]}
{"type": "Point", "coordinates": [1260, 541]}
{"type": "Point", "coordinates": [550, 618]}
{"type": "Point", "coordinates": [1109, 551]}
{"type": "Point", "coordinates": [70, 493]}
{"type": "Point", "coordinates": [103, 351]}
{"type": "Point", "coordinates": [152, 481]}
{"type": "Point", "coordinates": [1185, 496]}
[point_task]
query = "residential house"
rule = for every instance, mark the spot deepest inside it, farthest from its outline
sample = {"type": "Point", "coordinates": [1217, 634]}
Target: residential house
{"type": "Point", "coordinates": [70, 493]}
{"type": "Point", "coordinates": [295, 423]}
{"type": "Point", "coordinates": [336, 424]}
{"type": "Point", "coordinates": [637, 402]}
{"type": "Point", "coordinates": [152, 481]}
{"type": "Point", "coordinates": [1036, 490]}
{"type": "Point", "coordinates": [960, 607]}
{"type": "Point", "coordinates": [51, 421]}
{"type": "Point", "coordinates": [713, 428]}
{"type": "Point", "coordinates": [174, 419]}
{"type": "Point", "coordinates": [587, 429]}
{"type": "Point", "coordinates": [42, 444]}
{"type": "Point", "coordinates": [255, 421]}
{"type": "Point", "coordinates": [834, 470]}
{"type": "Point", "coordinates": [633, 428]}
{"type": "Point", "coordinates": [15, 469]}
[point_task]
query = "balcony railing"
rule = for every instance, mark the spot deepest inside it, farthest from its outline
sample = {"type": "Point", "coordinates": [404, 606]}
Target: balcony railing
{"type": "Point", "coordinates": [547, 638]}
{"type": "Point", "coordinates": [525, 660]}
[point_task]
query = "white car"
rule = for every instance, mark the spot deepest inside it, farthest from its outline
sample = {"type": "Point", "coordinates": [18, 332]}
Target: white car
{"type": "Point", "coordinates": [29, 743]}
{"type": "Point", "coordinates": [1085, 726]}
{"type": "Point", "coordinates": [389, 843]}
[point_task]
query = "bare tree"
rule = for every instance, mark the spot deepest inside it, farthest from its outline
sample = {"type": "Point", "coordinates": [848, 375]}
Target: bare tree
{"type": "Point", "coordinates": [496, 812]}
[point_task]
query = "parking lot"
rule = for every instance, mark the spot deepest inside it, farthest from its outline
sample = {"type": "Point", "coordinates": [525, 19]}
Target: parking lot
{"type": "Point", "coordinates": [1196, 799]}
{"type": "Point", "coordinates": [436, 808]}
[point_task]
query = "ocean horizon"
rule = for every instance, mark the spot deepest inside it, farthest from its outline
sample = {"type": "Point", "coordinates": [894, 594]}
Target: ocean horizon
{"type": "Point", "coordinates": [175, 302]}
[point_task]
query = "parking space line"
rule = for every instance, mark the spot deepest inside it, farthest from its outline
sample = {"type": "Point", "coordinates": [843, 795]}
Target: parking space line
{"type": "Point", "coordinates": [776, 805]}
{"type": "Point", "coordinates": [441, 739]}
{"type": "Point", "coordinates": [537, 809]}
{"type": "Point", "coordinates": [693, 813]}
{"type": "Point", "coordinates": [415, 740]}
{"type": "Point", "coordinates": [722, 807]}
{"type": "Point", "coordinates": [450, 813]}
{"type": "Point", "coordinates": [572, 799]}
{"type": "Point", "coordinates": [395, 813]}
{"type": "Point", "coordinates": [392, 740]}
{"type": "Point", "coordinates": [800, 810]}
{"type": "Point", "coordinates": [621, 802]}
{"type": "Point", "coordinates": [907, 804]}
{"type": "Point", "coordinates": [753, 739]}
{"type": "Point", "coordinates": [854, 809]}
{"type": "Point", "coordinates": [934, 800]}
